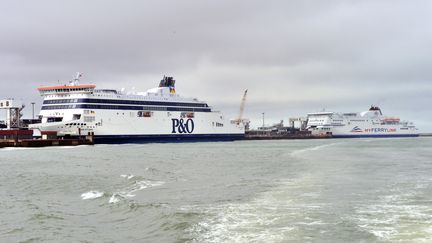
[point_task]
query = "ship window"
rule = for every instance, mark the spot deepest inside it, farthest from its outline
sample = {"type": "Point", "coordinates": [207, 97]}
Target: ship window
{"type": "Point", "coordinates": [89, 118]}
{"type": "Point", "coordinates": [54, 119]}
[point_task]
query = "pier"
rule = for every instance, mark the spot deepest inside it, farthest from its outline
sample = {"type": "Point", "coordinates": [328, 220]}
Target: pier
{"type": "Point", "coordinates": [273, 135]}
{"type": "Point", "coordinates": [425, 135]}
{"type": "Point", "coordinates": [295, 130]}
{"type": "Point", "coordinates": [24, 138]}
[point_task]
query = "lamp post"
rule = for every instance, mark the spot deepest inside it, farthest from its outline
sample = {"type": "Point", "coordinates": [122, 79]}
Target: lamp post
{"type": "Point", "coordinates": [33, 104]}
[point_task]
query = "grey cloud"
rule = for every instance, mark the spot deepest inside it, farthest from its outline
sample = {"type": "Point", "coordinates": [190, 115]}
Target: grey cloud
{"type": "Point", "coordinates": [293, 56]}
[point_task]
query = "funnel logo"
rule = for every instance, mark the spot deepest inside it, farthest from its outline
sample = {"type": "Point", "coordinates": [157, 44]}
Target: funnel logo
{"type": "Point", "coordinates": [356, 129]}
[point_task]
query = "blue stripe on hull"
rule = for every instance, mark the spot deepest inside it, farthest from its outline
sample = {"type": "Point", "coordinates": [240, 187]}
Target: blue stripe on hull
{"type": "Point", "coordinates": [376, 136]}
{"type": "Point", "coordinates": [122, 139]}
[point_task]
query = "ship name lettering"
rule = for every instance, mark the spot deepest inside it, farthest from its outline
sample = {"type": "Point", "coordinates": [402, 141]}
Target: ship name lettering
{"type": "Point", "coordinates": [182, 126]}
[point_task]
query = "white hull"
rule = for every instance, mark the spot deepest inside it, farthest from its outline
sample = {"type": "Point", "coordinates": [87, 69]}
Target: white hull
{"type": "Point", "coordinates": [127, 123]}
{"type": "Point", "coordinates": [113, 116]}
{"type": "Point", "coordinates": [366, 124]}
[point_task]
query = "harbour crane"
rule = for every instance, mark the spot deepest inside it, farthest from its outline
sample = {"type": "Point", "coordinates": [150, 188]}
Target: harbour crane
{"type": "Point", "coordinates": [242, 106]}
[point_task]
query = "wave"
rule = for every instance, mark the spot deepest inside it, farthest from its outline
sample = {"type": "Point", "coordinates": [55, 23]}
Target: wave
{"type": "Point", "coordinates": [396, 217]}
{"type": "Point", "coordinates": [115, 198]}
{"type": "Point", "coordinates": [128, 176]}
{"type": "Point", "coordinates": [130, 190]}
{"type": "Point", "coordinates": [92, 195]}
{"type": "Point", "coordinates": [274, 216]}
{"type": "Point", "coordinates": [134, 184]}
{"type": "Point", "coordinates": [127, 192]}
{"type": "Point", "coordinates": [314, 148]}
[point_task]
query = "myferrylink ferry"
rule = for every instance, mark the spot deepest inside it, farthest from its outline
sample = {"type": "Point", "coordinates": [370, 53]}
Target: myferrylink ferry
{"type": "Point", "coordinates": [371, 123]}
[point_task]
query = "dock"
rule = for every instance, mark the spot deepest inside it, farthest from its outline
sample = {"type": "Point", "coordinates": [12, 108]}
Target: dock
{"type": "Point", "coordinates": [37, 143]}
{"type": "Point", "coordinates": [280, 137]}
{"type": "Point", "coordinates": [25, 139]}
{"type": "Point", "coordinates": [281, 134]}
{"type": "Point", "coordinates": [425, 135]}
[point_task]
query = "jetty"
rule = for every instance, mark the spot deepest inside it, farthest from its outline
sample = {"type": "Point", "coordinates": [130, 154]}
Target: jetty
{"type": "Point", "coordinates": [425, 135]}
{"type": "Point", "coordinates": [274, 135]}
{"type": "Point", "coordinates": [295, 130]}
{"type": "Point", "coordinates": [24, 138]}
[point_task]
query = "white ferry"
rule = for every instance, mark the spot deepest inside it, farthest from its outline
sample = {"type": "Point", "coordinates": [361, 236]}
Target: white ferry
{"type": "Point", "coordinates": [371, 123]}
{"type": "Point", "coordinates": [114, 116]}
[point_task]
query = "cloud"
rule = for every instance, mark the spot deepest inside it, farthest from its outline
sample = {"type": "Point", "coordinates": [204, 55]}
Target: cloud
{"type": "Point", "coordinates": [294, 56]}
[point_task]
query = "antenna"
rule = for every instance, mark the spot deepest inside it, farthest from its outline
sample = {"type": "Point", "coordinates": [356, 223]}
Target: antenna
{"type": "Point", "coordinates": [76, 80]}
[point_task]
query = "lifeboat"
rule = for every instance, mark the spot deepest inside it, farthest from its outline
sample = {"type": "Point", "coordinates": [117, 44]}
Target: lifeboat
{"type": "Point", "coordinates": [391, 119]}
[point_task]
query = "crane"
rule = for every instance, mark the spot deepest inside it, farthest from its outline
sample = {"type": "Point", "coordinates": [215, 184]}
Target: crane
{"type": "Point", "coordinates": [242, 106]}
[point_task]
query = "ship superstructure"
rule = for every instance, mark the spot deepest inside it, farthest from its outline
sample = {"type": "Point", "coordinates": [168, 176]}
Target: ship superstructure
{"type": "Point", "coordinates": [371, 123]}
{"type": "Point", "coordinates": [114, 116]}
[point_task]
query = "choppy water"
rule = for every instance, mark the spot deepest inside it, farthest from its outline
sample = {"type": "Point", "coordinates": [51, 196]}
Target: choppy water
{"type": "Point", "coordinates": [250, 191]}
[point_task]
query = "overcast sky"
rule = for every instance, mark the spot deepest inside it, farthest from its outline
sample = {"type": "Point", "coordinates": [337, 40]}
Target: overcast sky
{"type": "Point", "coordinates": [294, 57]}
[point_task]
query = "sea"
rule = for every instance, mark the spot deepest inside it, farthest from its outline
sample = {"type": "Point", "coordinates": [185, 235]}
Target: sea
{"type": "Point", "coordinates": [326, 190]}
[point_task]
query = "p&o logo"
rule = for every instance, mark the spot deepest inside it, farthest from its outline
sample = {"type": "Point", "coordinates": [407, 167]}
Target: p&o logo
{"type": "Point", "coordinates": [182, 126]}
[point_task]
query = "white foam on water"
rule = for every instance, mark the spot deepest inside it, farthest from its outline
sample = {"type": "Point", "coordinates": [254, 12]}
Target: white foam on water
{"type": "Point", "coordinates": [396, 217]}
{"type": "Point", "coordinates": [129, 191]}
{"type": "Point", "coordinates": [314, 148]}
{"type": "Point", "coordinates": [127, 176]}
{"type": "Point", "coordinates": [273, 216]}
{"type": "Point", "coordinates": [114, 198]}
{"type": "Point", "coordinates": [141, 185]}
{"type": "Point", "coordinates": [91, 195]}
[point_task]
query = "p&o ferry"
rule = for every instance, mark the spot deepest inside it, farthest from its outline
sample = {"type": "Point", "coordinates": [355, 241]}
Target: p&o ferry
{"type": "Point", "coordinates": [114, 116]}
{"type": "Point", "coordinates": [371, 123]}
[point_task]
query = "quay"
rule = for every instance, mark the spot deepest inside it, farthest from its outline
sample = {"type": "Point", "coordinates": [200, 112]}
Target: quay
{"type": "Point", "coordinates": [35, 143]}
{"type": "Point", "coordinates": [286, 136]}
{"type": "Point", "coordinates": [268, 135]}
{"type": "Point", "coordinates": [295, 130]}
{"type": "Point", "coordinates": [25, 139]}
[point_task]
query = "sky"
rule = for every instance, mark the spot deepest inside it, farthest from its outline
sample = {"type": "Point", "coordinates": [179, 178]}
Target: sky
{"type": "Point", "coordinates": [294, 56]}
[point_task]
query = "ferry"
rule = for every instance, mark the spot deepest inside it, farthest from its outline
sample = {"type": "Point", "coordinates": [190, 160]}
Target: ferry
{"type": "Point", "coordinates": [114, 116]}
{"type": "Point", "coordinates": [370, 123]}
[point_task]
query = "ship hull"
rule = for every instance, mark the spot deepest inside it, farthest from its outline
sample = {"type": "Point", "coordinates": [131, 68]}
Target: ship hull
{"type": "Point", "coordinates": [375, 136]}
{"type": "Point", "coordinates": [120, 127]}
{"type": "Point", "coordinates": [138, 139]}
{"type": "Point", "coordinates": [359, 130]}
